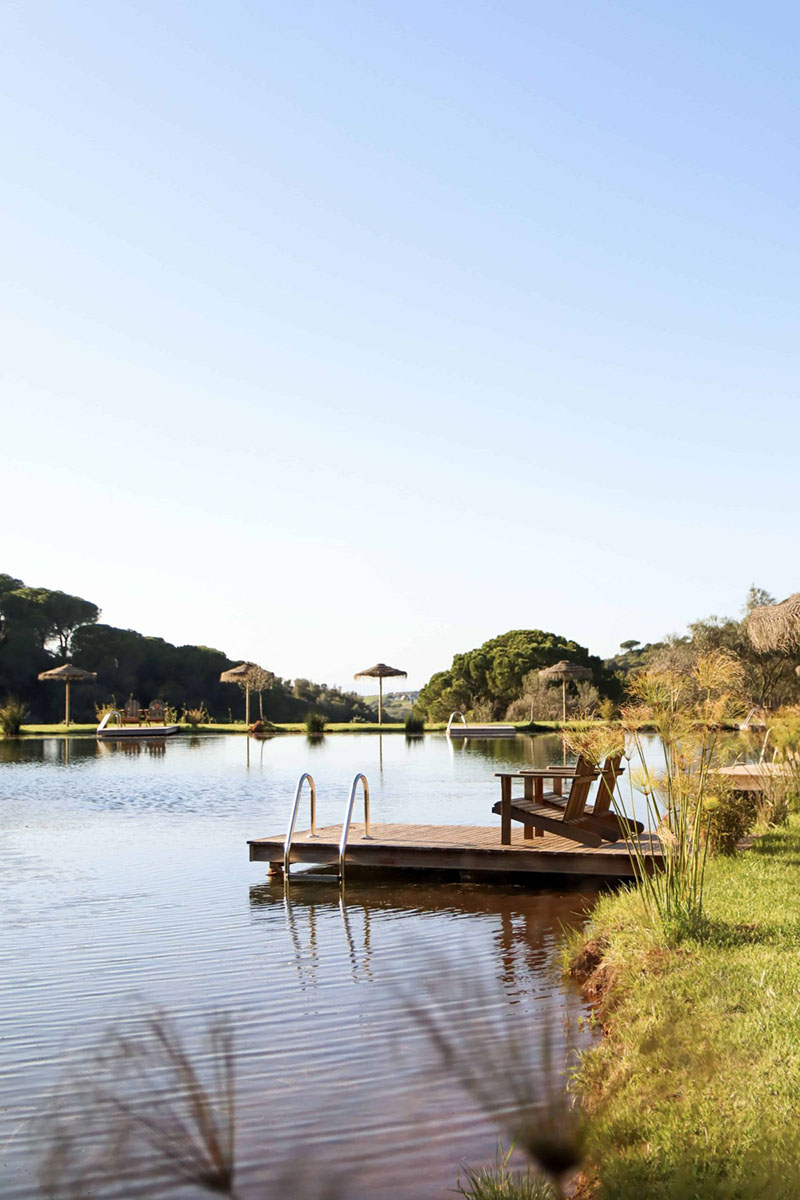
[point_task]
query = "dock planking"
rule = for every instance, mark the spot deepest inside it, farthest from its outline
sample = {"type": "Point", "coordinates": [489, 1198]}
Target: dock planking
{"type": "Point", "coordinates": [473, 848]}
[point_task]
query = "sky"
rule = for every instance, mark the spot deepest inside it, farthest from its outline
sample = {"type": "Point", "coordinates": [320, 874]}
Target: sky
{"type": "Point", "coordinates": [339, 331]}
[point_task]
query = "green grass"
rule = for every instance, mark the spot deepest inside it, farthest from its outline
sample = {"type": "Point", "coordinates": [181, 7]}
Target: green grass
{"type": "Point", "coordinates": [299, 727]}
{"type": "Point", "coordinates": [695, 1089]}
{"type": "Point", "coordinates": [225, 727]}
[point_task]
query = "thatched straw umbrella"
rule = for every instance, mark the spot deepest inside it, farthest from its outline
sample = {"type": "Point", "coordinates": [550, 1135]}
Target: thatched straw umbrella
{"type": "Point", "coordinates": [380, 672]}
{"type": "Point", "coordinates": [68, 674]}
{"type": "Point", "coordinates": [566, 672]}
{"type": "Point", "coordinates": [240, 675]}
{"type": "Point", "coordinates": [776, 626]}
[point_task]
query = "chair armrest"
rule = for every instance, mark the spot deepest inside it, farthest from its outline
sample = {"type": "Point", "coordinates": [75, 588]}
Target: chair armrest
{"type": "Point", "coordinates": [553, 773]}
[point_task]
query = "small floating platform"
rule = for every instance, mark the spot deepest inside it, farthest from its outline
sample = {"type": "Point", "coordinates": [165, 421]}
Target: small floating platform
{"type": "Point", "coordinates": [482, 731]}
{"type": "Point", "coordinates": [113, 732]}
{"type": "Point", "coordinates": [477, 730]}
{"type": "Point", "coordinates": [469, 848]}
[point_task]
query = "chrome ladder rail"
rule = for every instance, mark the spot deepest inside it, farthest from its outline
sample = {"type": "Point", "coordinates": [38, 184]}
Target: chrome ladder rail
{"type": "Point", "coordinates": [366, 836]}
{"type": "Point", "coordinates": [457, 713]}
{"type": "Point", "coordinates": [287, 845]}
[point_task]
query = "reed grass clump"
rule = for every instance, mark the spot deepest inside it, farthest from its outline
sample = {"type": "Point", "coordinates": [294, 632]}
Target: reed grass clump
{"type": "Point", "coordinates": [518, 1077]}
{"type": "Point", "coordinates": [414, 724]}
{"type": "Point", "coordinates": [149, 1111]}
{"type": "Point", "coordinates": [12, 716]}
{"type": "Point", "coordinates": [195, 716]}
{"type": "Point", "coordinates": [499, 1181]}
{"type": "Point", "coordinates": [315, 723]}
{"type": "Point", "coordinates": [687, 806]}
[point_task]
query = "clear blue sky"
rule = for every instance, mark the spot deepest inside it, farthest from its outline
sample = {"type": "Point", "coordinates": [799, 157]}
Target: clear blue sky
{"type": "Point", "coordinates": [343, 331]}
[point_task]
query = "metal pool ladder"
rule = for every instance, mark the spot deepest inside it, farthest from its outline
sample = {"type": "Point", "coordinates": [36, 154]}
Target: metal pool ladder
{"type": "Point", "coordinates": [287, 844]}
{"type": "Point", "coordinates": [348, 815]}
{"type": "Point", "coordinates": [453, 715]}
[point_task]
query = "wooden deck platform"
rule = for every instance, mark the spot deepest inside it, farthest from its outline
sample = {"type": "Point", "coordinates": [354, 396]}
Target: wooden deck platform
{"type": "Point", "coordinates": [754, 777]}
{"type": "Point", "coordinates": [470, 848]}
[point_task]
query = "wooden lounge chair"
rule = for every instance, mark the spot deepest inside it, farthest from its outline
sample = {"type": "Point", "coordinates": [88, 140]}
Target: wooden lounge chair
{"type": "Point", "coordinates": [603, 801]}
{"type": "Point", "coordinates": [132, 713]}
{"type": "Point", "coordinates": [552, 813]}
{"type": "Point", "coordinates": [156, 713]}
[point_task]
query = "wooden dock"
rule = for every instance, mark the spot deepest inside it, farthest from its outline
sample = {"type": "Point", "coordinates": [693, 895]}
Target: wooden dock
{"type": "Point", "coordinates": [470, 848]}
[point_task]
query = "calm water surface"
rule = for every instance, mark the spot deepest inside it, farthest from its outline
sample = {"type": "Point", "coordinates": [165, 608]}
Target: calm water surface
{"type": "Point", "coordinates": [125, 881]}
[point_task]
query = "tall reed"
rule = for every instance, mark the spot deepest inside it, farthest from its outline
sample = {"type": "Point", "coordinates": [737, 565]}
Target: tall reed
{"type": "Point", "coordinates": [684, 709]}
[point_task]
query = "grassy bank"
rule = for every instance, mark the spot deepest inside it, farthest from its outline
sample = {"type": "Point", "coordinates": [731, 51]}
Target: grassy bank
{"type": "Point", "coordinates": [293, 727]}
{"type": "Point", "coordinates": [221, 727]}
{"type": "Point", "coordinates": [695, 1088]}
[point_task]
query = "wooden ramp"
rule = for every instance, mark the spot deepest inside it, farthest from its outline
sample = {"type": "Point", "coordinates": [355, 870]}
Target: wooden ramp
{"type": "Point", "coordinates": [472, 848]}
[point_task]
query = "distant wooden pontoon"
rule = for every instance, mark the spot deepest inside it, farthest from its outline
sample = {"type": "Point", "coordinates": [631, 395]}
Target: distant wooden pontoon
{"type": "Point", "coordinates": [477, 730]}
{"type": "Point", "coordinates": [754, 777]}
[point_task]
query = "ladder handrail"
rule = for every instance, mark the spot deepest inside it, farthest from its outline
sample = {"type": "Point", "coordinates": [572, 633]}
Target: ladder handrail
{"type": "Point", "coordinates": [366, 836]}
{"type": "Point", "coordinates": [287, 845]}
{"type": "Point", "coordinates": [111, 713]}
{"type": "Point", "coordinates": [457, 713]}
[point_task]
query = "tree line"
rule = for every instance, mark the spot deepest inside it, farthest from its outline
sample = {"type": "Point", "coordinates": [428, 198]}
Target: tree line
{"type": "Point", "coordinates": [503, 677]}
{"type": "Point", "coordinates": [41, 628]}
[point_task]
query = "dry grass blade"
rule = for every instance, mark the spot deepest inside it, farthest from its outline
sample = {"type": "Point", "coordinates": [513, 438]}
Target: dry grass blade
{"type": "Point", "coordinates": [149, 1113]}
{"type": "Point", "coordinates": [512, 1074]}
{"type": "Point", "coordinates": [172, 1108]}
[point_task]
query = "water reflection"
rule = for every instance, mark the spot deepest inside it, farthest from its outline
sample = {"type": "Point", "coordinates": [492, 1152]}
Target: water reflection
{"type": "Point", "coordinates": [526, 923]}
{"type": "Point", "coordinates": [529, 750]}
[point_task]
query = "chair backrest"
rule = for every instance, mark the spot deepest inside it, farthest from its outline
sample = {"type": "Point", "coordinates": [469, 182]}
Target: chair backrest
{"type": "Point", "coordinates": [585, 775]}
{"type": "Point", "coordinates": [157, 710]}
{"type": "Point", "coordinates": [608, 781]}
{"type": "Point", "coordinates": [132, 708]}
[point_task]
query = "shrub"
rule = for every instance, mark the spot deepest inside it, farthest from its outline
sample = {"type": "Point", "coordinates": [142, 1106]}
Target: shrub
{"type": "Point", "coordinates": [414, 724]}
{"type": "Point", "coordinates": [102, 710]}
{"type": "Point", "coordinates": [12, 714]}
{"type": "Point", "coordinates": [315, 723]}
{"type": "Point", "coordinates": [731, 815]}
{"type": "Point", "coordinates": [607, 710]}
{"type": "Point", "coordinates": [195, 716]}
{"type": "Point", "coordinates": [261, 726]}
{"type": "Point", "coordinates": [498, 1181]}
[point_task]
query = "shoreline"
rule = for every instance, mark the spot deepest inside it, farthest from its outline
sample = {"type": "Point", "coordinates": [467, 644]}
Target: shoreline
{"type": "Point", "coordinates": [36, 729]}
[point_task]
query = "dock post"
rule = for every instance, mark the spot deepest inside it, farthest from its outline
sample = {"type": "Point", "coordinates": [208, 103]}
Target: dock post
{"type": "Point", "coordinates": [505, 810]}
{"type": "Point", "coordinates": [275, 870]}
{"type": "Point", "coordinates": [527, 830]}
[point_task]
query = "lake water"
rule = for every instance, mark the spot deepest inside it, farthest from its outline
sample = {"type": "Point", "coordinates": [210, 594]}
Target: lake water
{"type": "Point", "coordinates": [125, 883]}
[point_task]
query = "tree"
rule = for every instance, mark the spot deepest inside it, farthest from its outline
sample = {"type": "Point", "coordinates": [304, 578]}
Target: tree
{"type": "Point", "coordinates": [756, 598]}
{"type": "Point", "coordinates": [769, 675]}
{"type": "Point", "coordinates": [259, 680]}
{"type": "Point", "coordinates": [51, 616]}
{"type": "Point", "coordinates": [631, 644]}
{"type": "Point", "coordinates": [67, 614]}
{"type": "Point", "coordinates": [490, 677]}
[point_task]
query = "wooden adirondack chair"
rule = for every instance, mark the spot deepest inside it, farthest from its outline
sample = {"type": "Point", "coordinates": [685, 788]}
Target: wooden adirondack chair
{"type": "Point", "coordinates": [132, 713]}
{"type": "Point", "coordinates": [552, 813]}
{"type": "Point", "coordinates": [156, 713]}
{"type": "Point", "coordinates": [603, 802]}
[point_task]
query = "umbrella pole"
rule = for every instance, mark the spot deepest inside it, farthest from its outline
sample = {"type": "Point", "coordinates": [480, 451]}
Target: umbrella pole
{"type": "Point", "coordinates": [66, 703]}
{"type": "Point", "coordinates": [247, 704]}
{"type": "Point", "coordinates": [564, 698]}
{"type": "Point", "coordinates": [380, 700]}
